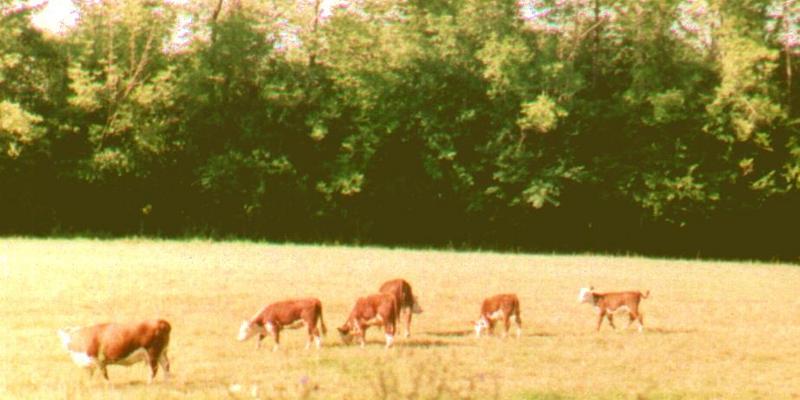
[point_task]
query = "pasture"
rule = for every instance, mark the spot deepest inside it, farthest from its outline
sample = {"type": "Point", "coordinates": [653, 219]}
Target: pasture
{"type": "Point", "coordinates": [712, 329]}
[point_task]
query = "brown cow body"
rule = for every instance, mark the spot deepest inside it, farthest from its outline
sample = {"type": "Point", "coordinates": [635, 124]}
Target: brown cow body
{"type": "Point", "coordinates": [98, 346]}
{"type": "Point", "coordinates": [377, 309]}
{"type": "Point", "coordinates": [290, 314]}
{"type": "Point", "coordinates": [503, 307]}
{"type": "Point", "coordinates": [606, 304]}
{"type": "Point", "coordinates": [405, 300]}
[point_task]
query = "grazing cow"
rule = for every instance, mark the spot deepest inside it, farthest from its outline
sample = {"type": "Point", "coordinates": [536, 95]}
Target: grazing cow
{"type": "Point", "coordinates": [405, 300]}
{"type": "Point", "coordinates": [289, 314]}
{"type": "Point", "coordinates": [377, 309]}
{"type": "Point", "coordinates": [501, 306]}
{"type": "Point", "coordinates": [98, 346]}
{"type": "Point", "coordinates": [606, 304]}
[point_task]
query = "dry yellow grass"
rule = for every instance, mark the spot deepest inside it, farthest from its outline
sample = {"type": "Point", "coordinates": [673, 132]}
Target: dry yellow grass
{"type": "Point", "coordinates": [713, 329]}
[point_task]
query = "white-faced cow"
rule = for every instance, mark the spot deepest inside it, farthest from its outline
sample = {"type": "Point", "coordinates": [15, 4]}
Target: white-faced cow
{"type": "Point", "coordinates": [503, 307]}
{"type": "Point", "coordinates": [404, 299]}
{"type": "Point", "coordinates": [606, 304]}
{"type": "Point", "coordinates": [287, 314]}
{"type": "Point", "coordinates": [98, 346]}
{"type": "Point", "coordinates": [377, 309]}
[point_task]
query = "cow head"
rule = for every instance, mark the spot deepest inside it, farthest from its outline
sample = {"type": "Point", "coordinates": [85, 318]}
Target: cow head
{"type": "Point", "coordinates": [481, 325]}
{"type": "Point", "coordinates": [248, 329]}
{"type": "Point", "coordinates": [585, 295]}
{"type": "Point", "coordinates": [65, 336]}
{"type": "Point", "coordinates": [416, 308]}
{"type": "Point", "coordinates": [345, 333]}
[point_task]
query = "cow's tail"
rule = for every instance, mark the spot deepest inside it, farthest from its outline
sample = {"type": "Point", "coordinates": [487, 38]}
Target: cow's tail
{"type": "Point", "coordinates": [646, 294]}
{"type": "Point", "coordinates": [411, 301]}
{"type": "Point", "coordinates": [322, 320]}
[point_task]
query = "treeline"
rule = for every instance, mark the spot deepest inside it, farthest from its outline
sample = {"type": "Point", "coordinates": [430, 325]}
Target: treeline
{"type": "Point", "coordinates": [664, 127]}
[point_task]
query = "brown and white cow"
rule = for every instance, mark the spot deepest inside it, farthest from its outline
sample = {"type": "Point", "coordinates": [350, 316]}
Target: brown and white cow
{"type": "Point", "coordinates": [405, 300]}
{"type": "Point", "coordinates": [606, 304]}
{"type": "Point", "coordinates": [98, 346]}
{"type": "Point", "coordinates": [503, 307]}
{"type": "Point", "coordinates": [288, 314]}
{"type": "Point", "coordinates": [376, 309]}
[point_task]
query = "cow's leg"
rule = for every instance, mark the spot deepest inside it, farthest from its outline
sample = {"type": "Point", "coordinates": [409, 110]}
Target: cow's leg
{"type": "Point", "coordinates": [518, 322]}
{"type": "Point", "coordinates": [362, 334]}
{"type": "Point", "coordinates": [152, 361]}
{"type": "Point", "coordinates": [610, 317]}
{"type": "Point", "coordinates": [313, 334]}
{"type": "Point", "coordinates": [640, 320]}
{"type": "Point", "coordinates": [389, 330]}
{"type": "Point", "coordinates": [163, 360]}
{"type": "Point", "coordinates": [276, 333]}
{"type": "Point", "coordinates": [506, 325]}
{"type": "Point", "coordinates": [601, 315]}
{"type": "Point", "coordinates": [258, 340]}
{"type": "Point", "coordinates": [408, 322]}
{"type": "Point", "coordinates": [103, 370]}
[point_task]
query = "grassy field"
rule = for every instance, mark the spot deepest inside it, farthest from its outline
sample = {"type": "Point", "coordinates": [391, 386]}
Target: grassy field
{"type": "Point", "coordinates": [713, 329]}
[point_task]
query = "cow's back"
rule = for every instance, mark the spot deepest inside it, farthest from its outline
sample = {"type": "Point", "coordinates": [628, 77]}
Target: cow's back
{"type": "Point", "coordinates": [383, 304]}
{"type": "Point", "coordinates": [507, 302]}
{"type": "Point", "coordinates": [118, 341]}
{"type": "Point", "coordinates": [401, 290]}
{"type": "Point", "coordinates": [287, 311]}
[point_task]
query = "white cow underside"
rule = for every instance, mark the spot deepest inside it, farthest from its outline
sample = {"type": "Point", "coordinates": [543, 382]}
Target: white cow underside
{"type": "Point", "coordinates": [83, 360]}
{"type": "Point", "coordinates": [86, 361]}
{"type": "Point", "coordinates": [499, 314]}
{"type": "Point", "coordinates": [621, 309]}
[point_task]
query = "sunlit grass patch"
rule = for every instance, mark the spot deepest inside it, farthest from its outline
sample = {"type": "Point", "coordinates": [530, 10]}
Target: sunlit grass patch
{"type": "Point", "coordinates": [712, 329]}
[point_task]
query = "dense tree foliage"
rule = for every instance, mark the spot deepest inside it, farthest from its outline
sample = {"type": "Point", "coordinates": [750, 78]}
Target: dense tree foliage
{"type": "Point", "coordinates": [665, 127]}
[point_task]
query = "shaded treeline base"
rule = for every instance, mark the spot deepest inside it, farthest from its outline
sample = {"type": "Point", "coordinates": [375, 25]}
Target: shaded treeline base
{"type": "Point", "coordinates": [666, 127]}
{"type": "Point", "coordinates": [406, 218]}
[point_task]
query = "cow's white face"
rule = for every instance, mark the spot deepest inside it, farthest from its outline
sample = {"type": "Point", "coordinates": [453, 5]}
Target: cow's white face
{"type": "Point", "coordinates": [78, 357]}
{"type": "Point", "coordinates": [248, 330]}
{"type": "Point", "coordinates": [585, 295]}
{"type": "Point", "coordinates": [65, 337]}
{"type": "Point", "coordinates": [481, 325]}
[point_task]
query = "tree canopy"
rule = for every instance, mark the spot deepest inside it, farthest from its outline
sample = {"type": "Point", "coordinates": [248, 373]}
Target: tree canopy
{"type": "Point", "coordinates": [665, 127]}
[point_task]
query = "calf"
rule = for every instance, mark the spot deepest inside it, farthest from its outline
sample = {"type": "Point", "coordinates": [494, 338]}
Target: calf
{"type": "Point", "coordinates": [606, 304]}
{"type": "Point", "coordinates": [405, 300]}
{"type": "Point", "coordinates": [98, 346]}
{"type": "Point", "coordinates": [290, 314]}
{"type": "Point", "coordinates": [377, 309]}
{"type": "Point", "coordinates": [501, 306]}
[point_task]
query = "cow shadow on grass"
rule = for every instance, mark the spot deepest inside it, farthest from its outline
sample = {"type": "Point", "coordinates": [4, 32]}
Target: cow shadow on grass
{"type": "Point", "coordinates": [451, 333]}
{"type": "Point", "coordinates": [415, 342]}
{"type": "Point", "coordinates": [668, 331]}
{"type": "Point", "coordinates": [133, 383]}
{"type": "Point", "coordinates": [471, 333]}
{"type": "Point", "coordinates": [538, 334]}
{"type": "Point", "coordinates": [427, 343]}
